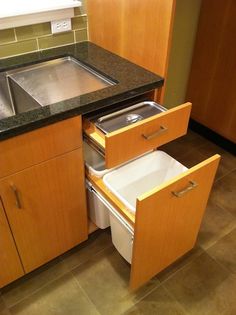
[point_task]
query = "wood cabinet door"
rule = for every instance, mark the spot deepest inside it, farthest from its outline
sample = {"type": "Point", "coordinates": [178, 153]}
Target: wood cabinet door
{"type": "Point", "coordinates": [168, 219]}
{"type": "Point", "coordinates": [211, 86]}
{"type": "Point", "coordinates": [46, 208]}
{"type": "Point", "coordinates": [11, 267]}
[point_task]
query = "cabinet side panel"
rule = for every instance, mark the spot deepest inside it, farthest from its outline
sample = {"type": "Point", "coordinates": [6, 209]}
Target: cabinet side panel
{"type": "Point", "coordinates": [136, 30]}
{"type": "Point", "coordinates": [211, 86]}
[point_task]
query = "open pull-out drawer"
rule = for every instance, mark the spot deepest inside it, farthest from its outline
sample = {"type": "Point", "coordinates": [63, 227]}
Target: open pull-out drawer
{"type": "Point", "coordinates": [131, 141]}
{"type": "Point", "coordinates": [166, 219]}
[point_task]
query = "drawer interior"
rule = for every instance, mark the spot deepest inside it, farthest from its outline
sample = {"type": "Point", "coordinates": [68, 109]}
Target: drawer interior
{"type": "Point", "coordinates": [129, 181]}
{"type": "Point", "coordinates": [134, 179]}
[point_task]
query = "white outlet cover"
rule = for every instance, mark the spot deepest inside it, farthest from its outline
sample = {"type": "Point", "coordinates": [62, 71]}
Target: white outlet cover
{"type": "Point", "coordinates": [60, 26]}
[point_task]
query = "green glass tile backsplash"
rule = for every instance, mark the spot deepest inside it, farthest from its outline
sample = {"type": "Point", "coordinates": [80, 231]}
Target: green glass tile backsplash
{"type": "Point", "coordinates": [21, 40]}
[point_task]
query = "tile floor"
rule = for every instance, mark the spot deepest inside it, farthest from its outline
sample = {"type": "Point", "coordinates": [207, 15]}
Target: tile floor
{"type": "Point", "coordinates": [93, 278]}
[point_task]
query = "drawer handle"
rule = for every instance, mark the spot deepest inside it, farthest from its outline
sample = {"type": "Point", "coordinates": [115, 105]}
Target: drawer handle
{"type": "Point", "coordinates": [17, 197]}
{"type": "Point", "coordinates": [185, 190]}
{"type": "Point", "coordinates": [155, 134]}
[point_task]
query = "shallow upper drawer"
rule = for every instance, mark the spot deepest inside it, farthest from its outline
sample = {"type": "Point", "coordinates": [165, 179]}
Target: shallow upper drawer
{"type": "Point", "coordinates": [39, 145]}
{"type": "Point", "coordinates": [129, 142]}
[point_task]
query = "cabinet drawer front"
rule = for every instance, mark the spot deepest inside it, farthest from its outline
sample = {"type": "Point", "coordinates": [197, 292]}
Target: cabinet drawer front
{"type": "Point", "coordinates": [168, 219]}
{"type": "Point", "coordinates": [39, 145]}
{"type": "Point", "coordinates": [129, 142]}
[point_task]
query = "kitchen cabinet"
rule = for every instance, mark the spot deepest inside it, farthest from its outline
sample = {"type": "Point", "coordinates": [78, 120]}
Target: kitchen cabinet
{"type": "Point", "coordinates": [45, 208]}
{"type": "Point", "coordinates": [10, 263]}
{"type": "Point", "coordinates": [157, 35]}
{"type": "Point", "coordinates": [211, 85]}
{"type": "Point", "coordinates": [167, 218]}
{"type": "Point", "coordinates": [44, 199]}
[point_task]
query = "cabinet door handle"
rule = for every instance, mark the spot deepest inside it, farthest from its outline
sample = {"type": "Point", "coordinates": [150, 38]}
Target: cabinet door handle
{"type": "Point", "coordinates": [17, 197]}
{"type": "Point", "coordinates": [155, 134]}
{"type": "Point", "coordinates": [185, 190]}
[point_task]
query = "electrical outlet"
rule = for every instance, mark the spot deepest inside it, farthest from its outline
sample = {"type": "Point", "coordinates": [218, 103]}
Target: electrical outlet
{"type": "Point", "coordinates": [60, 26]}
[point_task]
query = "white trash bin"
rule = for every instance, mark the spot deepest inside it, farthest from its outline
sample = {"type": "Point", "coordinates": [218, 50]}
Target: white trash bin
{"type": "Point", "coordinates": [98, 211]}
{"type": "Point", "coordinates": [135, 178]}
{"type": "Point", "coordinates": [122, 236]}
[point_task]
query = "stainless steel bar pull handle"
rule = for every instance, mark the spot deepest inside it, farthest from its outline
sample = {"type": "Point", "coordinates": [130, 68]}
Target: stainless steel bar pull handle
{"type": "Point", "coordinates": [155, 134]}
{"type": "Point", "coordinates": [185, 190]}
{"type": "Point", "coordinates": [17, 197]}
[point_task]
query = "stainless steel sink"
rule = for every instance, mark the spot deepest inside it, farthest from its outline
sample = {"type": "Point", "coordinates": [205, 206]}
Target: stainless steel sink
{"type": "Point", "coordinates": [51, 82]}
{"type": "Point", "coordinates": [6, 107]}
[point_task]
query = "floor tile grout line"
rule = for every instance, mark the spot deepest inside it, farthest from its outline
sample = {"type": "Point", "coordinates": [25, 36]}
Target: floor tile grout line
{"type": "Point", "coordinates": [146, 294]}
{"type": "Point", "coordinates": [154, 288]}
{"type": "Point", "coordinates": [227, 233]}
{"type": "Point", "coordinates": [220, 207]}
{"type": "Point", "coordinates": [229, 172]}
{"type": "Point", "coordinates": [174, 298]}
{"type": "Point", "coordinates": [84, 292]}
{"type": "Point", "coordinates": [171, 275]}
{"type": "Point", "coordinates": [2, 301]}
{"type": "Point", "coordinates": [85, 261]}
{"type": "Point", "coordinates": [234, 228]}
{"type": "Point", "coordinates": [222, 266]}
{"type": "Point", "coordinates": [37, 290]}
{"type": "Point", "coordinates": [68, 270]}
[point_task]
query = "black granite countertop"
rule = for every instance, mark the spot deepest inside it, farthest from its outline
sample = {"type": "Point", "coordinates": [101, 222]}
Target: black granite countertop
{"type": "Point", "coordinates": [131, 79]}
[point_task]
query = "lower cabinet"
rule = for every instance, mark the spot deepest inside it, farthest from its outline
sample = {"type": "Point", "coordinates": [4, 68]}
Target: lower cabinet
{"type": "Point", "coordinates": [162, 201]}
{"type": "Point", "coordinates": [165, 222]}
{"type": "Point", "coordinates": [11, 267]}
{"type": "Point", "coordinates": [46, 208]}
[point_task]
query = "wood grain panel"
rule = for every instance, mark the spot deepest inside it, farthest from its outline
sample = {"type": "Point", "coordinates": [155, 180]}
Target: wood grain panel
{"type": "Point", "coordinates": [11, 267]}
{"type": "Point", "coordinates": [128, 142]}
{"type": "Point", "coordinates": [33, 147]}
{"type": "Point", "coordinates": [53, 216]}
{"type": "Point", "coordinates": [139, 31]}
{"type": "Point", "coordinates": [166, 226]}
{"type": "Point", "coordinates": [212, 79]}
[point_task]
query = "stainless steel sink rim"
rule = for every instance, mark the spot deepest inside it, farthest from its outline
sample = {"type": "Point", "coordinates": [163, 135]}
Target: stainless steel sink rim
{"type": "Point", "coordinates": [53, 81]}
{"type": "Point", "coordinates": [55, 61]}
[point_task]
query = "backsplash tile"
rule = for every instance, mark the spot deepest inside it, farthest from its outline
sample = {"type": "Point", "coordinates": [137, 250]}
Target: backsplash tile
{"type": "Point", "coordinates": [56, 40]}
{"type": "Point", "coordinates": [81, 35]}
{"type": "Point", "coordinates": [18, 48]}
{"type": "Point", "coordinates": [7, 36]}
{"type": "Point", "coordinates": [33, 31]}
{"type": "Point", "coordinates": [24, 39]}
{"type": "Point", "coordinates": [79, 22]}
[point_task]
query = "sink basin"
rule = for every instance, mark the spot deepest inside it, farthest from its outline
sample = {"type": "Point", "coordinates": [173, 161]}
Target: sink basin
{"type": "Point", "coordinates": [53, 81]}
{"type": "Point", "coordinates": [6, 108]}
